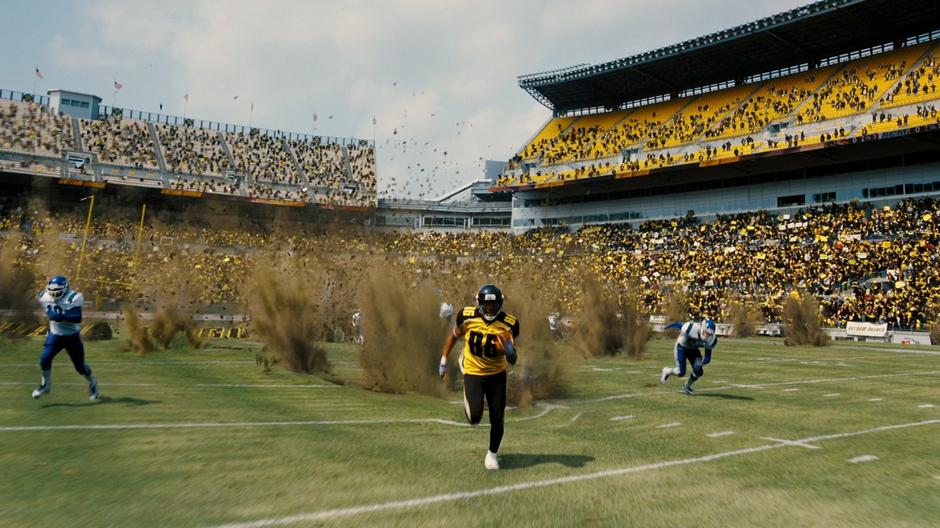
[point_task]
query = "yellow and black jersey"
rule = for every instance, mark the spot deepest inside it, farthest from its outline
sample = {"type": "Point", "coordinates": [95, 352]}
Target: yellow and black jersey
{"type": "Point", "coordinates": [481, 356]}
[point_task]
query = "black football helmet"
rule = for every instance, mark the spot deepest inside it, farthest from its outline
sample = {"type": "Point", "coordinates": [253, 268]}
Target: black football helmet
{"type": "Point", "coordinates": [490, 301]}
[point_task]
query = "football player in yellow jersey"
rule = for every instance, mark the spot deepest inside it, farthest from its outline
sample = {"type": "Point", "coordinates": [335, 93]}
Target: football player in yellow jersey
{"type": "Point", "coordinates": [490, 345]}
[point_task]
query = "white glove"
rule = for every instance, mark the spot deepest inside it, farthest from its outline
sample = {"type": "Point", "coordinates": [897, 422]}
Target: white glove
{"type": "Point", "coordinates": [442, 368]}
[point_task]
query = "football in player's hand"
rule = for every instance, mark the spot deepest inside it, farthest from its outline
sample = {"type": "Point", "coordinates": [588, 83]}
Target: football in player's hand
{"type": "Point", "coordinates": [504, 343]}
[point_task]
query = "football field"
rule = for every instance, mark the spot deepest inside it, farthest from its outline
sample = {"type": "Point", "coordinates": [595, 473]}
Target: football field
{"type": "Point", "coordinates": [847, 435]}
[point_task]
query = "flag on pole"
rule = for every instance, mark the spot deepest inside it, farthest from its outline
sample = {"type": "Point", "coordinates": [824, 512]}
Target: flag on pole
{"type": "Point", "coordinates": [117, 85]}
{"type": "Point", "coordinates": [374, 122]}
{"type": "Point", "coordinates": [233, 98]}
{"type": "Point", "coordinates": [186, 97]}
{"type": "Point", "coordinates": [252, 106]}
{"type": "Point", "coordinates": [314, 116]}
{"type": "Point", "coordinates": [38, 73]}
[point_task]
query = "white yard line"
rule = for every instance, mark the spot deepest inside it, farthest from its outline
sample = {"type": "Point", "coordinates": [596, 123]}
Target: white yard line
{"type": "Point", "coordinates": [286, 423]}
{"type": "Point", "coordinates": [926, 406]}
{"type": "Point", "coordinates": [145, 363]}
{"type": "Point", "coordinates": [863, 458]}
{"type": "Point", "coordinates": [719, 434]}
{"type": "Point", "coordinates": [831, 395]}
{"type": "Point", "coordinates": [875, 399]}
{"type": "Point", "coordinates": [178, 387]}
{"type": "Point", "coordinates": [669, 425]}
{"type": "Point", "coordinates": [324, 515]}
{"type": "Point", "coordinates": [894, 350]}
{"type": "Point", "coordinates": [760, 386]}
{"type": "Point", "coordinates": [575, 417]}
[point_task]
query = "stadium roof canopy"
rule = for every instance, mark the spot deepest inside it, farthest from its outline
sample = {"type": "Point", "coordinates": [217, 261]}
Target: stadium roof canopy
{"type": "Point", "coordinates": [806, 35]}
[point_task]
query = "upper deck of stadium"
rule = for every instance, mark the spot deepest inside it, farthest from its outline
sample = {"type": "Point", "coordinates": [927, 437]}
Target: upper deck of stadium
{"type": "Point", "coordinates": [812, 34]}
{"type": "Point", "coordinates": [825, 76]}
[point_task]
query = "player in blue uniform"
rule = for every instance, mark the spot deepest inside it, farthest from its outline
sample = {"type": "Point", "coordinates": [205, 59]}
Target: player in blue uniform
{"type": "Point", "coordinates": [692, 337]}
{"type": "Point", "coordinates": [63, 306]}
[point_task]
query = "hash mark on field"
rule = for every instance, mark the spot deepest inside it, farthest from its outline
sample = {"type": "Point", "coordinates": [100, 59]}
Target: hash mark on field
{"type": "Point", "coordinates": [831, 395]}
{"type": "Point", "coordinates": [926, 406]}
{"type": "Point", "coordinates": [863, 458]}
{"type": "Point", "coordinates": [621, 418]}
{"type": "Point", "coordinates": [535, 484]}
{"type": "Point", "coordinates": [719, 434]}
{"type": "Point", "coordinates": [790, 390]}
{"type": "Point", "coordinates": [668, 425]}
{"type": "Point", "coordinates": [875, 399]}
{"type": "Point", "coordinates": [575, 417]}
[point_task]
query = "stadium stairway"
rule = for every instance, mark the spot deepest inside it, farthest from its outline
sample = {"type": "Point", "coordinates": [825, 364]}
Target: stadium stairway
{"type": "Point", "coordinates": [161, 162]}
{"type": "Point", "coordinates": [293, 157]}
{"type": "Point", "coordinates": [77, 135]}
{"type": "Point", "coordinates": [346, 163]}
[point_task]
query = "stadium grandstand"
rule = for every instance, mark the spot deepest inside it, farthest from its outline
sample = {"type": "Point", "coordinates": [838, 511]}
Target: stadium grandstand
{"type": "Point", "coordinates": [828, 103]}
{"type": "Point", "coordinates": [71, 137]}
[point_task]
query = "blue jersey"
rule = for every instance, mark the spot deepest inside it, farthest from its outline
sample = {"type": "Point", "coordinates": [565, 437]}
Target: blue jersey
{"type": "Point", "coordinates": [690, 338]}
{"type": "Point", "coordinates": [71, 301]}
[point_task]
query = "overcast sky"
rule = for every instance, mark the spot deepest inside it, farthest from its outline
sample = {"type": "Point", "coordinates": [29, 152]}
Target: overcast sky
{"type": "Point", "coordinates": [438, 76]}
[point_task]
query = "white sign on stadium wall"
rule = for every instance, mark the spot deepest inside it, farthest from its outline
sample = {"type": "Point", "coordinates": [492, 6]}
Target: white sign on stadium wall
{"type": "Point", "coordinates": [866, 329]}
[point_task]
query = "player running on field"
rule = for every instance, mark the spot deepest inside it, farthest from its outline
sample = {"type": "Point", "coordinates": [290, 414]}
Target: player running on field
{"type": "Point", "coordinates": [489, 349]}
{"type": "Point", "coordinates": [63, 306]}
{"type": "Point", "coordinates": [692, 336]}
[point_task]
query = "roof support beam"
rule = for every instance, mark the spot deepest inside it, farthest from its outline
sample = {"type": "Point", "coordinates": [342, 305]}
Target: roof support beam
{"type": "Point", "coordinates": [666, 85]}
{"type": "Point", "coordinates": [786, 42]}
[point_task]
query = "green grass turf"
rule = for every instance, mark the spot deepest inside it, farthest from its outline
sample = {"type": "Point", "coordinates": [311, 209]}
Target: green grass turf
{"type": "Point", "coordinates": [209, 476]}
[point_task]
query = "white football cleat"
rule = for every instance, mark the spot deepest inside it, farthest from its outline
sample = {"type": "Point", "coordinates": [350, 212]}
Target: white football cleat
{"type": "Point", "coordinates": [667, 371]}
{"type": "Point", "coordinates": [92, 388]}
{"type": "Point", "coordinates": [491, 462]}
{"type": "Point", "coordinates": [43, 389]}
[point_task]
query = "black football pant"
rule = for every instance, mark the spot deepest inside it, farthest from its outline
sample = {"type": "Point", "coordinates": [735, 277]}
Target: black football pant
{"type": "Point", "coordinates": [493, 388]}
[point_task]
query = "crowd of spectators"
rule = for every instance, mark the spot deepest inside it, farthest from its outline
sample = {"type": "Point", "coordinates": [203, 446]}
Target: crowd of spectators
{"type": "Point", "coordinates": [192, 151]}
{"type": "Point", "coordinates": [861, 263]}
{"type": "Point", "coordinates": [263, 158]}
{"type": "Point", "coordinates": [120, 141]}
{"type": "Point", "coordinates": [32, 128]}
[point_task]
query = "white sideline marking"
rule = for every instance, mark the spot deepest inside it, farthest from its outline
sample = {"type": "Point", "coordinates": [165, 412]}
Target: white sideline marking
{"type": "Point", "coordinates": [621, 418]}
{"type": "Point", "coordinates": [926, 406]}
{"type": "Point", "coordinates": [575, 417]}
{"type": "Point", "coordinates": [668, 425]}
{"type": "Point", "coordinates": [875, 399]}
{"type": "Point", "coordinates": [790, 390]}
{"type": "Point", "coordinates": [831, 395]}
{"type": "Point", "coordinates": [796, 443]}
{"type": "Point", "coordinates": [534, 484]}
{"type": "Point", "coordinates": [863, 458]}
{"type": "Point", "coordinates": [719, 434]}
{"type": "Point", "coordinates": [219, 425]}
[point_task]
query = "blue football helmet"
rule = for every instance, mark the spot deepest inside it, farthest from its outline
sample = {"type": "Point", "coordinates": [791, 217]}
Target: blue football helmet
{"type": "Point", "coordinates": [708, 329]}
{"type": "Point", "coordinates": [57, 286]}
